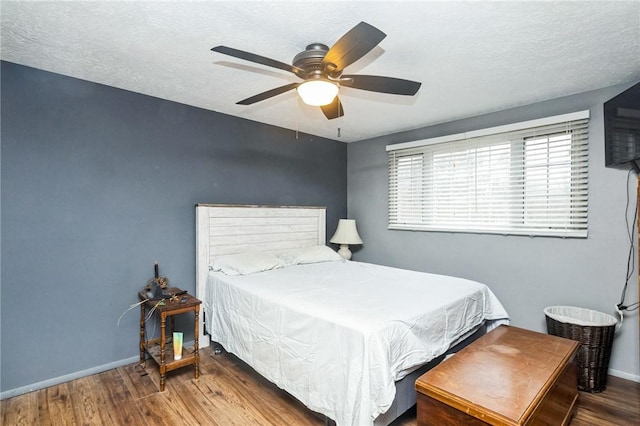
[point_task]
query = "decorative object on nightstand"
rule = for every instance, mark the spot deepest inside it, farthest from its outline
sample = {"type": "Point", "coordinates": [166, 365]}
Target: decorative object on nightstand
{"type": "Point", "coordinates": [346, 234]}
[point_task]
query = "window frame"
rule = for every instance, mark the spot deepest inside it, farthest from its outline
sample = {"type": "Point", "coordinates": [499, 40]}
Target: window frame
{"type": "Point", "coordinates": [571, 177]}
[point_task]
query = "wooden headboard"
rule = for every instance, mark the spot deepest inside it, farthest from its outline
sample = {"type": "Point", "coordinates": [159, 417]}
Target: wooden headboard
{"type": "Point", "coordinates": [229, 229]}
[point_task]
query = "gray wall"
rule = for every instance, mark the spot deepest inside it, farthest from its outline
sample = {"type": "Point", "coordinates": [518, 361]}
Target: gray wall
{"type": "Point", "coordinates": [97, 184]}
{"type": "Point", "coordinates": [527, 274]}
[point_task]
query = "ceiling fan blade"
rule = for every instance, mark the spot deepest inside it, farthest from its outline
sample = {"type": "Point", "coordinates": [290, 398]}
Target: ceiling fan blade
{"type": "Point", "coordinates": [268, 94]}
{"type": "Point", "coordinates": [333, 110]}
{"type": "Point", "coordinates": [252, 57]}
{"type": "Point", "coordinates": [352, 46]}
{"type": "Point", "coordinates": [374, 83]}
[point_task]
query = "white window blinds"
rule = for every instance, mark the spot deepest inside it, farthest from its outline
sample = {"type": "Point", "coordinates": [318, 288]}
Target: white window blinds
{"type": "Point", "coordinates": [525, 179]}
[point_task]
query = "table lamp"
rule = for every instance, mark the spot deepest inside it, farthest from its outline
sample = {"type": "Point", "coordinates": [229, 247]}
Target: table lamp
{"type": "Point", "coordinates": [346, 234]}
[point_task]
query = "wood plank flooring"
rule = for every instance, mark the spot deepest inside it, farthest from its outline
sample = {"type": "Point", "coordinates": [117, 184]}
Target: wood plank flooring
{"type": "Point", "coordinates": [229, 393]}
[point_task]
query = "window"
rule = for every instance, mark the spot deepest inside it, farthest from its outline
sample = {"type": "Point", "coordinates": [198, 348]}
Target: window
{"type": "Point", "coordinates": [525, 179]}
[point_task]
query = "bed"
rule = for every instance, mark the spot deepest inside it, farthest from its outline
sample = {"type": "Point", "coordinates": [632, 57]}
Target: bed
{"type": "Point", "coordinates": [348, 339]}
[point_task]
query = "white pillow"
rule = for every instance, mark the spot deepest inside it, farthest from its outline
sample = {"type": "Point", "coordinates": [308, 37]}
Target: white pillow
{"type": "Point", "coordinates": [246, 263]}
{"type": "Point", "coordinates": [312, 254]}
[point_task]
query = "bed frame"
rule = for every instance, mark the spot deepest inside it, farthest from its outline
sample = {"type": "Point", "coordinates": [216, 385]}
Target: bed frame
{"type": "Point", "coordinates": [230, 229]}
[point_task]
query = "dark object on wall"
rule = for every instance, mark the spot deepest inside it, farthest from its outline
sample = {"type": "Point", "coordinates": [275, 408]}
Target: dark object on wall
{"type": "Point", "coordinates": [594, 330]}
{"type": "Point", "coordinates": [622, 127]}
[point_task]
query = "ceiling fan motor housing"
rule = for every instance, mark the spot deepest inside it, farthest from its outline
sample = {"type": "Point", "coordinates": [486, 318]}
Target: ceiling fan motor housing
{"type": "Point", "coordinates": [310, 60]}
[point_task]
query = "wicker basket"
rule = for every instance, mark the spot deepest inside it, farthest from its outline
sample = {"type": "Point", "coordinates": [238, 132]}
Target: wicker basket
{"type": "Point", "coordinates": [594, 330]}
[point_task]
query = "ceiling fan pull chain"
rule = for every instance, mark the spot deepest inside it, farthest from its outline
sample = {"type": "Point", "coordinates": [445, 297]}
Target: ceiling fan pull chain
{"type": "Point", "coordinates": [297, 118]}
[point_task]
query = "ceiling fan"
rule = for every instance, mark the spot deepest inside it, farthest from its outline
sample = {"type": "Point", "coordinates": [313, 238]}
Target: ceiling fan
{"type": "Point", "coordinates": [321, 69]}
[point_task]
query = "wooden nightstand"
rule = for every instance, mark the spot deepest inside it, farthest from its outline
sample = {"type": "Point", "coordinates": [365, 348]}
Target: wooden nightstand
{"type": "Point", "coordinates": [161, 348]}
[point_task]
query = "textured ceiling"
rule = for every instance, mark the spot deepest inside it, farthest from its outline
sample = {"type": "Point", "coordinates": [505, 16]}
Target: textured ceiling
{"type": "Point", "coordinates": [471, 57]}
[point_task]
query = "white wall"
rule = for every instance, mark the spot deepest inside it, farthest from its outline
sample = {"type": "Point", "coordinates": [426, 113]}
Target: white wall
{"type": "Point", "coordinates": [527, 274]}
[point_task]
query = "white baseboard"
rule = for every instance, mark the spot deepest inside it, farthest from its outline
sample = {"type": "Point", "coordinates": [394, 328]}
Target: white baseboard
{"type": "Point", "coordinates": [68, 377]}
{"type": "Point", "coordinates": [623, 375]}
{"type": "Point", "coordinates": [77, 375]}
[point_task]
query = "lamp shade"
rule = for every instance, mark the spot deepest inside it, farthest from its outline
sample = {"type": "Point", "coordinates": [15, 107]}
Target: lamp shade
{"type": "Point", "coordinates": [346, 233]}
{"type": "Point", "coordinates": [317, 92]}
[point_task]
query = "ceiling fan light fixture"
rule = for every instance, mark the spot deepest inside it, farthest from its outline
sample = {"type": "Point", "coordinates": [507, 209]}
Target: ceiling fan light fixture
{"type": "Point", "coordinates": [317, 92]}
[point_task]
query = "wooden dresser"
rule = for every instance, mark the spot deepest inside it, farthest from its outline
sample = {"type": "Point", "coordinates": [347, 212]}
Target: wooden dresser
{"type": "Point", "coordinates": [510, 376]}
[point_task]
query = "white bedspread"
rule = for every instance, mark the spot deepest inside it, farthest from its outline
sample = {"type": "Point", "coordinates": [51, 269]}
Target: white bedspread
{"type": "Point", "coordinates": [337, 335]}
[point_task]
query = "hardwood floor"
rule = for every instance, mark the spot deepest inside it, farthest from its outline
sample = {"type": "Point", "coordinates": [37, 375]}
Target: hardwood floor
{"type": "Point", "coordinates": [229, 393]}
